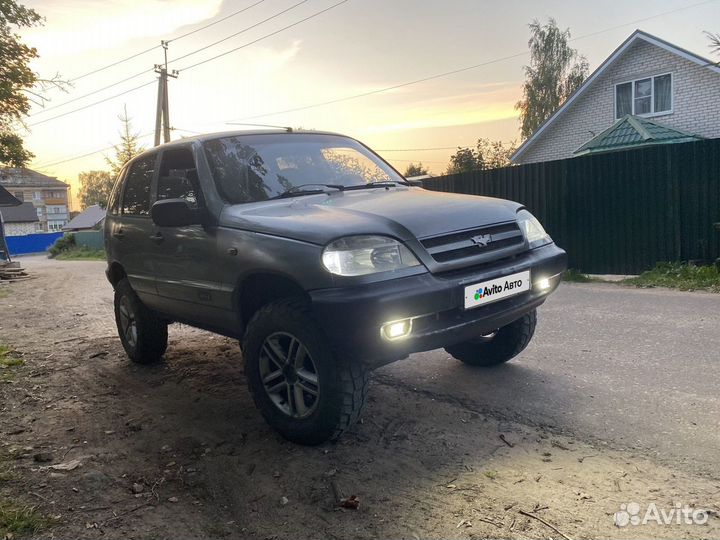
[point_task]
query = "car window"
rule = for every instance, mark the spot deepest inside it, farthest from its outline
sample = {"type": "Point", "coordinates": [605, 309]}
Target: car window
{"type": "Point", "coordinates": [178, 177]}
{"type": "Point", "coordinates": [136, 196]}
{"type": "Point", "coordinates": [248, 168]}
{"type": "Point", "coordinates": [114, 202]}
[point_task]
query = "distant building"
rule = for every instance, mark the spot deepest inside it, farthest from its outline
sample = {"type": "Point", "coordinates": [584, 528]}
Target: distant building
{"type": "Point", "coordinates": [647, 92]}
{"type": "Point", "coordinates": [20, 220]}
{"type": "Point", "coordinates": [6, 199]}
{"type": "Point", "coordinates": [91, 218]}
{"type": "Point", "coordinates": [48, 196]}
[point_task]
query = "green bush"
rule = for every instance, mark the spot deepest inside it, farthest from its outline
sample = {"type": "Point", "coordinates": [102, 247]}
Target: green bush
{"type": "Point", "coordinates": [576, 276]}
{"type": "Point", "coordinates": [64, 243]}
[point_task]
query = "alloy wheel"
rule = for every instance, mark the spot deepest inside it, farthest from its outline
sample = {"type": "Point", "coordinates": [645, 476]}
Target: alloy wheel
{"type": "Point", "coordinates": [289, 375]}
{"type": "Point", "coordinates": [128, 324]}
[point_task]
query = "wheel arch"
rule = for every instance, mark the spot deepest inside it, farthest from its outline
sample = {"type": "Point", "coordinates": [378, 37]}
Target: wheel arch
{"type": "Point", "coordinates": [115, 273]}
{"type": "Point", "coordinates": [259, 288]}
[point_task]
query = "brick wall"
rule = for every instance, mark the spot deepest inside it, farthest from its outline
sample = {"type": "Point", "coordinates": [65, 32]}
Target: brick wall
{"type": "Point", "coordinates": [19, 229]}
{"type": "Point", "coordinates": [696, 102]}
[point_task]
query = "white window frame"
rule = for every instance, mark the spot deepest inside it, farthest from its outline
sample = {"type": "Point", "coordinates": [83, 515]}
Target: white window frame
{"type": "Point", "coordinates": [652, 95]}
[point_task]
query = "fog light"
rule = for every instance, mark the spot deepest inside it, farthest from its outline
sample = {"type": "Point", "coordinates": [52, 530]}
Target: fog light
{"type": "Point", "coordinates": [396, 329]}
{"type": "Point", "coordinates": [543, 284]}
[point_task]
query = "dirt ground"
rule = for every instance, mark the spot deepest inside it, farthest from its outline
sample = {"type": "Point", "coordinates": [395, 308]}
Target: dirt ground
{"type": "Point", "coordinates": [178, 450]}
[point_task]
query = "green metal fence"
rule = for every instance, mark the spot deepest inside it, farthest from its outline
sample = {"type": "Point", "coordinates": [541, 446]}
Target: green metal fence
{"type": "Point", "coordinates": [90, 239]}
{"type": "Point", "coordinates": [619, 212]}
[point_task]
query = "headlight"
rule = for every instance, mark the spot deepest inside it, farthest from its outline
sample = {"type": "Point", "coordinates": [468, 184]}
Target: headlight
{"type": "Point", "coordinates": [360, 255]}
{"type": "Point", "coordinates": [533, 230]}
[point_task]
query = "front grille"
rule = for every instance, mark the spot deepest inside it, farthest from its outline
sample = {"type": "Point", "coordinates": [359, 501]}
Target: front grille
{"type": "Point", "coordinates": [459, 245]}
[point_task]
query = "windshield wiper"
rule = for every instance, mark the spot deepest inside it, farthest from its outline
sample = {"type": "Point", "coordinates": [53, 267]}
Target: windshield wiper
{"type": "Point", "coordinates": [297, 191]}
{"type": "Point", "coordinates": [383, 183]}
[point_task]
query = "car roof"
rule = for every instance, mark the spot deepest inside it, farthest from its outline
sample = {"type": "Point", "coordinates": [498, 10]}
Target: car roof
{"type": "Point", "coordinates": [202, 137]}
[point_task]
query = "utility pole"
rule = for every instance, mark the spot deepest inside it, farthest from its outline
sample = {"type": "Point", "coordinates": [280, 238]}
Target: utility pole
{"type": "Point", "coordinates": [162, 115]}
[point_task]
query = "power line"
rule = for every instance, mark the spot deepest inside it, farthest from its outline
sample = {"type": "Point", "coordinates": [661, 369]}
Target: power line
{"type": "Point", "coordinates": [421, 149]}
{"type": "Point", "coordinates": [191, 66]}
{"type": "Point", "coordinates": [419, 161]}
{"type": "Point", "coordinates": [78, 98]}
{"type": "Point", "coordinates": [386, 89]}
{"type": "Point", "coordinates": [238, 33]}
{"type": "Point", "coordinates": [133, 56]}
{"type": "Point", "coordinates": [316, 14]}
{"type": "Point", "coordinates": [216, 22]}
{"type": "Point", "coordinates": [136, 75]}
{"type": "Point", "coordinates": [73, 158]}
{"type": "Point", "coordinates": [90, 104]}
{"type": "Point", "coordinates": [108, 66]}
{"type": "Point", "coordinates": [459, 70]}
{"type": "Point", "coordinates": [644, 19]}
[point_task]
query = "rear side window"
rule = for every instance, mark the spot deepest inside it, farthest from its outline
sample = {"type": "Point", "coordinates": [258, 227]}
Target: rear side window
{"type": "Point", "coordinates": [114, 202]}
{"type": "Point", "coordinates": [136, 196]}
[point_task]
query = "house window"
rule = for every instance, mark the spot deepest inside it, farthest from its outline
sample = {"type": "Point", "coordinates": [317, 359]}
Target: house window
{"type": "Point", "coordinates": [644, 97]}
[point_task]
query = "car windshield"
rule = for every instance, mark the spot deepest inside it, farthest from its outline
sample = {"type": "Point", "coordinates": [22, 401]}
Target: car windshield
{"type": "Point", "coordinates": [249, 168]}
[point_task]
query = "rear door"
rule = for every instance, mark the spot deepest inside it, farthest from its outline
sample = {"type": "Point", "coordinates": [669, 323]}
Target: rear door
{"type": "Point", "coordinates": [132, 227]}
{"type": "Point", "coordinates": [187, 274]}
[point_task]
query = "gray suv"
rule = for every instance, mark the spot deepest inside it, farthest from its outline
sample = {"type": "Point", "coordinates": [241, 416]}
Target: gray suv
{"type": "Point", "coordinates": [323, 261]}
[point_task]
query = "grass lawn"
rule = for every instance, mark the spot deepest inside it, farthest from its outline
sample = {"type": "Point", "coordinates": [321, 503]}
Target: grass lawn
{"type": "Point", "coordinates": [81, 254]}
{"type": "Point", "coordinates": [679, 276]}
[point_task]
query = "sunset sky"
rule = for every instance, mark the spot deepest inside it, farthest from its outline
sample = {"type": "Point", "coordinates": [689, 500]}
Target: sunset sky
{"type": "Point", "coordinates": [357, 47]}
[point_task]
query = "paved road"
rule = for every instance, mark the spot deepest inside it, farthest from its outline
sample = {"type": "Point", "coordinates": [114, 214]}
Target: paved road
{"type": "Point", "coordinates": [629, 367]}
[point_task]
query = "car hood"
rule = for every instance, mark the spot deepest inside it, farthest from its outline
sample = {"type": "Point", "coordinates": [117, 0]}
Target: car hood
{"type": "Point", "coordinates": [402, 212]}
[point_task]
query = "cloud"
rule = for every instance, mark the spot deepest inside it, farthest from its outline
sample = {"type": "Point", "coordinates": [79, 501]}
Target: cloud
{"type": "Point", "coordinates": [75, 26]}
{"type": "Point", "coordinates": [487, 104]}
{"type": "Point", "coordinates": [262, 61]}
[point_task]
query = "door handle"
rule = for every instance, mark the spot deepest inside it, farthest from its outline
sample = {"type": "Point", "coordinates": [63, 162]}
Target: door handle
{"type": "Point", "coordinates": [157, 237]}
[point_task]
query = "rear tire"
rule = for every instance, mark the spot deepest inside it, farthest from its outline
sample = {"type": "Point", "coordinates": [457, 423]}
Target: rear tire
{"type": "Point", "coordinates": [303, 388]}
{"type": "Point", "coordinates": [143, 335]}
{"type": "Point", "coordinates": [506, 343]}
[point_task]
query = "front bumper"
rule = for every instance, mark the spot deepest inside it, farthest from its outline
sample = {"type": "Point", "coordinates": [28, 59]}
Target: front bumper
{"type": "Point", "coordinates": [352, 316]}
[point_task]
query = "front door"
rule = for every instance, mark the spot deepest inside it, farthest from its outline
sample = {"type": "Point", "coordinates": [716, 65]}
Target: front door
{"type": "Point", "coordinates": [186, 257]}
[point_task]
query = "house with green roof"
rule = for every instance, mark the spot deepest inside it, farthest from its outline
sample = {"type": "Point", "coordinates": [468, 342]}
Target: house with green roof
{"type": "Point", "coordinates": [647, 92]}
{"type": "Point", "coordinates": [633, 132]}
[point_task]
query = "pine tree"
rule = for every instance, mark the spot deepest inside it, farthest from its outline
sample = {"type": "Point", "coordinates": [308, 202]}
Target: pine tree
{"type": "Point", "coordinates": [128, 147]}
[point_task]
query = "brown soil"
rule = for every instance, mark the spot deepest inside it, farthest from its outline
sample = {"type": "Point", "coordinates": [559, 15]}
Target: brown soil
{"type": "Point", "coordinates": [178, 450]}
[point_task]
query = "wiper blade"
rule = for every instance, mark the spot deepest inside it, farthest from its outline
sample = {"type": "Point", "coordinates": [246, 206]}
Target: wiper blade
{"type": "Point", "coordinates": [297, 191]}
{"type": "Point", "coordinates": [383, 183]}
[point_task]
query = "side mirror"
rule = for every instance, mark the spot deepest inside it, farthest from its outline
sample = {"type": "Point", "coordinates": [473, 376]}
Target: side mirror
{"type": "Point", "coordinates": [174, 213]}
{"type": "Point", "coordinates": [416, 183]}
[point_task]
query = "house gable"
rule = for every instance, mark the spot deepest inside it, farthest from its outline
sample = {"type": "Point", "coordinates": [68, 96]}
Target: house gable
{"type": "Point", "coordinates": [591, 109]}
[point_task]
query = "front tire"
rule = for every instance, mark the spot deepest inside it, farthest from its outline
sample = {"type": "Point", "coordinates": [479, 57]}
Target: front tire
{"type": "Point", "coordinates": [303, 388]}
{"type": "Point", "coordinates": [143, 335]}
{"type": "Point", "coordinates": [501, 346]}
